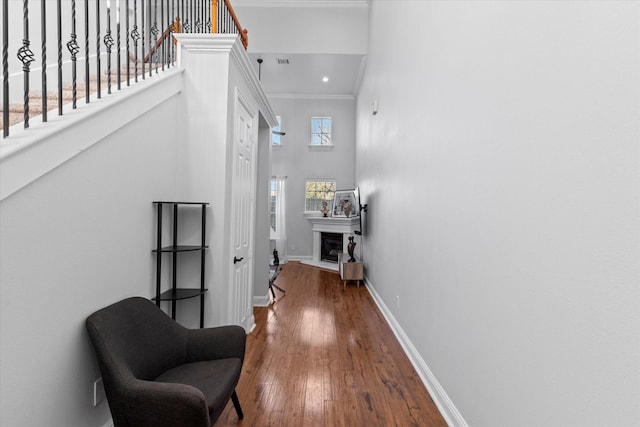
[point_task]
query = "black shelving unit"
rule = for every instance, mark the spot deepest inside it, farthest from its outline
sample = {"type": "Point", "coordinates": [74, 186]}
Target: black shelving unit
{"type": "Point", "coordinates": [175, 293]}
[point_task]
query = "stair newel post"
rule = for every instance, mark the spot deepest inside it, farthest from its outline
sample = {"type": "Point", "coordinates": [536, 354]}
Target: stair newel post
{"type": "Point", "coordinates": [214, 16]}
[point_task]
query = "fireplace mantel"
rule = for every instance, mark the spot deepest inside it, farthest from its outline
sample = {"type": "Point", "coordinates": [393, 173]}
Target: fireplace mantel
{"type": "Point", "coordinates": [342, 225]}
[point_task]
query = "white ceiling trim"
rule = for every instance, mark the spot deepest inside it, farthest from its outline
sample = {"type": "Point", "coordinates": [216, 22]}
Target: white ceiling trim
{"type": "Point", "coordinates": [300, 3]}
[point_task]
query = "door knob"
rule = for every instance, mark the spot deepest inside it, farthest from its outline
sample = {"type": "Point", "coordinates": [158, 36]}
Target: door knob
{"type": "Point", "coordinates": [237, 260]}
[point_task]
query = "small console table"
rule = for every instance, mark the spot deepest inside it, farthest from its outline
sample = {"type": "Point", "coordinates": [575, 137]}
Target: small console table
{"type": "Point", "coordinates": [350, 270]}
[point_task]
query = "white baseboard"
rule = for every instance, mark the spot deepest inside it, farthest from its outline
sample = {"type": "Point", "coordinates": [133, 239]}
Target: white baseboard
{"type": "Point", "coordinates": [448, 410]}
{"type": "Point", "coordinates": [261, 301]}
{"type": "Point", "coordinates": [299, 258]}
{"type": "Point", "coordinates": [108, 424]}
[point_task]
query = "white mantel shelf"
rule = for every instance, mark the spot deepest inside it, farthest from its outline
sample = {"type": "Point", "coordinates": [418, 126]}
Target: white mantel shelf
{"type": "Point", "coordinates": [343, 225]}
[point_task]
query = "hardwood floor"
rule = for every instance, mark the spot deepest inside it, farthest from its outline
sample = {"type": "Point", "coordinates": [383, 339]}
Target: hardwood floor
{"type": "Point", "coordinates": [323, 355]}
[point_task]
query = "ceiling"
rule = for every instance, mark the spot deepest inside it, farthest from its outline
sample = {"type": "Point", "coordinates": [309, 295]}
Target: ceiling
{"type": "Point", "coordinates": [304, 73]}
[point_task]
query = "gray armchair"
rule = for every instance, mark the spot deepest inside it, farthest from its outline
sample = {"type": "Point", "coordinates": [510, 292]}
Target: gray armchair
{"type": "Point", "coordinates": [158, 373]}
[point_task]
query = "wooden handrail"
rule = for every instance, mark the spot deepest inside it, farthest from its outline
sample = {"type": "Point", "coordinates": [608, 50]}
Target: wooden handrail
{"type": "Point", "coordinates": [243, 33]}
{"type": "Point", "coordinates": [173, 28]}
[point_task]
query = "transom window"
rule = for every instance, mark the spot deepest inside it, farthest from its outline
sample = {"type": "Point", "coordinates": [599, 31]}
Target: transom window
{"type": "Point", "coordinates": [318, 191]}
{"type": "Point", "coordinates": [321, 131]}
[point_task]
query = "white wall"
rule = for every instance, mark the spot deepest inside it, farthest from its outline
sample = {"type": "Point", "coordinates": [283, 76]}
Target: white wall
{"type": "Point", "coordinates": [80, 237]}
{"type": "Point", "coordinates": [502, 175]}
{"type": "Point", "coordinates": [298, 162]}
{"type": "Point", "coordinates": [208, 150]}
{"type": "Point", "coordinates": [72, 242]}
{"type": "Point", "coordinates": [311, 28]}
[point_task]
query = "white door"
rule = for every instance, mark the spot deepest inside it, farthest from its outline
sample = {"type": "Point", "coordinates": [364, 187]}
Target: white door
{"type": "Point", "coordinates": [243, 215]}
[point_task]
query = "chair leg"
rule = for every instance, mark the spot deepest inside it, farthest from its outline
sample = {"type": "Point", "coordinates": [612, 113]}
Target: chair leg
{"type": "Point", "coordinates": [236, 404]}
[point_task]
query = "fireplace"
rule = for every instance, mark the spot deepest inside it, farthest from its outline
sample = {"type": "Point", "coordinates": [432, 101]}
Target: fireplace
{"type": "Point", "coordinates": [330, 246]}
{"type": "Point", "coordinates": [341, 228]}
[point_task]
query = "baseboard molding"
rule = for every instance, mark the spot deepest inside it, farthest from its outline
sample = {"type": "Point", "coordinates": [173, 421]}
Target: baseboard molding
{"type": "Point", "coordinates": [448, 410]}
{"type": "Point", "coordinates": [108, 423]}
{"type": "Point", "coordinates": [299, 258]}
{"type": "Point", "coordinates": [261, 301]}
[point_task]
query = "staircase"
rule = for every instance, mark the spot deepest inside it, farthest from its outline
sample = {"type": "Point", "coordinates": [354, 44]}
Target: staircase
{"type": "Point", "coordinates": [16, 110]}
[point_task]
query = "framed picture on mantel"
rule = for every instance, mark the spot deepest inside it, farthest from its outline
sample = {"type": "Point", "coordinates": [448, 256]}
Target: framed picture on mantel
{"type": "Point", "coordinates": [345, 204]}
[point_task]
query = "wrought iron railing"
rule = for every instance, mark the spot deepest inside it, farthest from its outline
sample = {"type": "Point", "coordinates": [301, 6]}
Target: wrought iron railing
{"type": "Point", "coordinates": [136, 32]}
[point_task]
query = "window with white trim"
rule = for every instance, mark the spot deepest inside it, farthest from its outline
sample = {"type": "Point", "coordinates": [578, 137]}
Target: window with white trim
{"type": "Point", "coordinates": [272, 203]}
{"type": "Point", "coordinates": [321, 131]}
{"type": "Point", "coordinates": [318, 191]}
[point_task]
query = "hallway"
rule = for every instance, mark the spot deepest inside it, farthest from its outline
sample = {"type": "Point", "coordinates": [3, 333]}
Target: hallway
{"type": "Point", "coordinates": [323, 355]}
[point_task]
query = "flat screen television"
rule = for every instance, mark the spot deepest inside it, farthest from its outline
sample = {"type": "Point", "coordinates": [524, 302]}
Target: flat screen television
{"type": "Point", "coordinates": [362, 209]}
{"type": "Point", "coordinates": [346, 203]}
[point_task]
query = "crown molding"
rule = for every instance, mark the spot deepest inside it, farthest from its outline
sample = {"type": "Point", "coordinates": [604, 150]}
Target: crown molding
{"type": "Point", "coordinates": [230, 44]}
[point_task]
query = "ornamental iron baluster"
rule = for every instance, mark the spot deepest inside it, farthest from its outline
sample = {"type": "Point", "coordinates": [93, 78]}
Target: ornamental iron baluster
{"type": "Point", "coordinates": [186, 22]}
{"type": "Point", "coordinates": [59, 27]}
{"type": "Point", "coordinates": [87, 89]}
{"type": "Point", "coordinates": [143, 31]}
{"type": "Point", "coordinates": [126, 6]}
{"type": "Point", "coordinates": [162, 40]}
{"type": "Point", "coordinates": [151, 42]}
{"type": "Point", "coordinates": [153, 37]}
{"type": "Point", "coordinates": [98, 40]}
{"type": "Point", "coordinates": [73, 47]}
{"type": "Point", "coordinates": [108, 42]}
{"type": "Point", "coordinates": [43, 32]}
{"type": "Point", "coordinates": [135, 35]}
{"type": "Point", "coordinates": [5, 69]}
{"type": "Point", "coordinates": [198, 28]}
{"type": "Point", "coordinates": [25, 55]}
{"type": "Point", "coordinates": [118, 63]}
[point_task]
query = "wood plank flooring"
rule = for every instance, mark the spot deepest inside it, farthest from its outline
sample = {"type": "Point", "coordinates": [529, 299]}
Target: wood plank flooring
{"type": "Point", "coordinates": [323, 355]}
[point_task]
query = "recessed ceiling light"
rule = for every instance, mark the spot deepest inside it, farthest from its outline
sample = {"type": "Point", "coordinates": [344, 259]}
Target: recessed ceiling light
{"type": "Point", "coordinates": [325, 79]}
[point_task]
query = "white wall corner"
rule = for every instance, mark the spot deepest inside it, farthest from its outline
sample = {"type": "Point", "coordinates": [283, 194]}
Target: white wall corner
{"type": "Point", "coordinates": [448, 410]}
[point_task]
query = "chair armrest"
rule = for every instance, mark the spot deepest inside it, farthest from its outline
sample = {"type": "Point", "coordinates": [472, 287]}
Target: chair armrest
{"type": "Point", "coordinates": [158, 404]}
{"type": "Point", "coordinates": [216, 343]}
